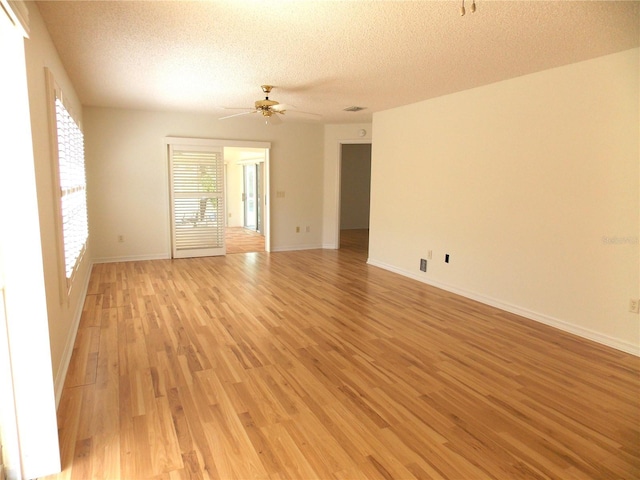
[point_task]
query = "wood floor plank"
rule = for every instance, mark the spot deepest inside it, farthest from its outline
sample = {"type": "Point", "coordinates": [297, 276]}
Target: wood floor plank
{"type": "Point", "coordinates": [313, 364]}
{"type": "Point", "coordinates": [243, 240]}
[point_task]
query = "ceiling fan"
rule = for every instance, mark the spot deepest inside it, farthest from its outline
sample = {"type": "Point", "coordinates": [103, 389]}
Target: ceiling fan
{"type": "Point", "coordinates": [270, 109]}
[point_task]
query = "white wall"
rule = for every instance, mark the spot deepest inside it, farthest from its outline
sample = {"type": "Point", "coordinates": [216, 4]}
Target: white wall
{"type": "Point", "coordinates": [234, 180]}
{"type": "Point", "coordinates": [63, 316]}
{"type": "Point", "coordinates": [128, 185]}
{"type": "Point", "coordinates": [335, 136]}
{"type": "Point", "coordinates": [531, 186]}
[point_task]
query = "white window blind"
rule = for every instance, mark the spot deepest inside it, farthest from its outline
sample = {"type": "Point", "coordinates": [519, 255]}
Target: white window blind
{"type": "Point", "coordinates": [198, 202]}
{"type": "Point", "coordinates": [72, 195]}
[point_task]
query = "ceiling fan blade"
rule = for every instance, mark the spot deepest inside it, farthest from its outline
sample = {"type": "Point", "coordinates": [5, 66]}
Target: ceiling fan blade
{"type": "Point", "coordinates": [300, 112]}
{"type": "Point", "coordinates": [273, 119]}
{"type": "Point", "coordinates": [282, 107]}
{"type": "Point", "coordinates": [237, 115]}
{"type": "Point", "coordinates": [270, 109]}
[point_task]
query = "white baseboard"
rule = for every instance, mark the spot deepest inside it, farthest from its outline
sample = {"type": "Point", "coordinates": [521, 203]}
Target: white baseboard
{"type": "Point", "coordinates": [292, 248]}
{"type": "Point", "coordinates": [133, 258]}
{"type": "Point", "coordinates": [606, 340]}
{"type": "Point", "coordinates": [71, 340]}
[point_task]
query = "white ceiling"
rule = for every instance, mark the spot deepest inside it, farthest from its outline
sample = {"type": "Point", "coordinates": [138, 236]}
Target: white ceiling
{"type": "Point", "coordinates": [321, 55]}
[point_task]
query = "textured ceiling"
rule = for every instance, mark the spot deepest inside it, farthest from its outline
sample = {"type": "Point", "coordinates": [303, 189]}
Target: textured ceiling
{"type": "Point", "coordinates": [321, 55]}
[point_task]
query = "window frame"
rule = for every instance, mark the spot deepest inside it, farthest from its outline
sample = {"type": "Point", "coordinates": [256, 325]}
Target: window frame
{"type": "Point", "coordinates": [54, 94]}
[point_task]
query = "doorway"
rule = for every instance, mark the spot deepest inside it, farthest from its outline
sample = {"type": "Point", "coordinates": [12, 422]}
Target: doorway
{"type": "Point", "coordinates": [355, 196]}
{"type": "Point", "coordinates": [246, 199]}
{"type": "Point", "coordinates": [228, 195]}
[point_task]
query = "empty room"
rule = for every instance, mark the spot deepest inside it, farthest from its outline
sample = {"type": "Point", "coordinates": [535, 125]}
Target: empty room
{"type": "Point", "coordinates": [320, 239]}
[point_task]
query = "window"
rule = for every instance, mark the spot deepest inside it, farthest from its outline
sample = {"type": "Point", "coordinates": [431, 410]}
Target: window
{"type": "Point", "coordinates": [68, 153]}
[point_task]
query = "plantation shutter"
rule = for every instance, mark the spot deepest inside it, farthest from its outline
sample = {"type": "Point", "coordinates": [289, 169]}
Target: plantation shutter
{"type": "Point", "coordinates": [70, 186]}
{"type": "Point", "coordinates": [73, 186]}
{"type": "Point", "coordinates": [197, 206]}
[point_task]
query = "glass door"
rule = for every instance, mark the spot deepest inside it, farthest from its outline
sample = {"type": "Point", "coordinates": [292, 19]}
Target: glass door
{"type": "Point", "coordinates": [251, 197]}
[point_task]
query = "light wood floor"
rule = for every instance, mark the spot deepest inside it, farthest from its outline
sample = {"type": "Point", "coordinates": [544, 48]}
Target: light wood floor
{"type": "Point", "coordinates": [242, 240]}
{"type": "Point", "coordinates": [313, 365]}
{"type": "Point", "coordinates": [356, 241]}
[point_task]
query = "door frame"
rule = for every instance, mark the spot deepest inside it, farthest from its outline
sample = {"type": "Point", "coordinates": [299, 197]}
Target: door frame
{"type": "Point", "coordinates": [212, 142]}
{"type": "Point", "coordinates": [362, 141]}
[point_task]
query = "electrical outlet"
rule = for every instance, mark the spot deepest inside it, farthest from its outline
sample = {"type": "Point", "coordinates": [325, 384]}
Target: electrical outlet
{"type": "Point", "coordinates": [297, 229]}
{"type": "Point", "coordinates": [634, 305]}
{"type": "Point", "coordinates": [120, 238]}
{"type": "Point", "coordinates": [423, 265]}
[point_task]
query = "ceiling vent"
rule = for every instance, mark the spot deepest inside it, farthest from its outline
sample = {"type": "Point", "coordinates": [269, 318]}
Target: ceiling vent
{"type": "Point", "coordinates": [354, 109]}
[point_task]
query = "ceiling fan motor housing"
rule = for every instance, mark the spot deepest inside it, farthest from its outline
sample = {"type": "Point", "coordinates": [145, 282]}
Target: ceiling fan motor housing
{"type": "Point", "coordinates": [266, 103]}
{"type": "Point", "coordinates": [264, 106]}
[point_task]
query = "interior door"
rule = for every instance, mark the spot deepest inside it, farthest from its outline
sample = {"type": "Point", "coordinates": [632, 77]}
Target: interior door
{"type": "Point", "coordinates": [197, 201]}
